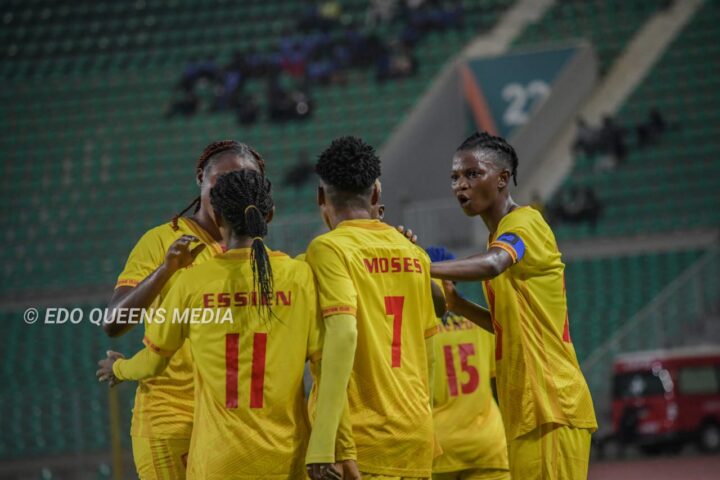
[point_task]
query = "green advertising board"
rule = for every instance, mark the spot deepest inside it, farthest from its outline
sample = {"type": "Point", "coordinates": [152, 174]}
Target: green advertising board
{"type": "Point", "coordinates": [502, 92]}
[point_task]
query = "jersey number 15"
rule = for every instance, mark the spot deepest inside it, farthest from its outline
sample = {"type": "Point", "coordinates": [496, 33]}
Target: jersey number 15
{"type": "Point", "coordinates": [466, 350]}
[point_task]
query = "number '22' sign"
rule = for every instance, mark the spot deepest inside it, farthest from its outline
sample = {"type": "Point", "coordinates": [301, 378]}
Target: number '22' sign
{"type": "Point", "coordinates": [521, 98]}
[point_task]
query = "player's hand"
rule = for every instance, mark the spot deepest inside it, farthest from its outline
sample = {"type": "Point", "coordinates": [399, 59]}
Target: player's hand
{"type": "Point", "coordinates": [451, 295]}
{"type": "Point", "coordinates": [323, 471]}
{"type": "Point", "coordinates": [349, 470]}
{"type": "Point", "coordinates": [105, 373]}
{"type": "Point", "coordinates": [407, 232]}
{"type": "Point", "coordinates": [180, 255]}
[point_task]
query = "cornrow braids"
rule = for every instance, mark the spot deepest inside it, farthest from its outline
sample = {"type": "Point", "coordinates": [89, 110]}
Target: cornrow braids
{"type": "Point", "coordinates": [244, 199]}
{"type": "Point", "coordinates": [349, 164]}
{"type": "Point", "coordinates": [504, 151]}
{"type": "Point", "coordinates": [210, 153]}
{"type": "Point", "coordinates": [224, 146]}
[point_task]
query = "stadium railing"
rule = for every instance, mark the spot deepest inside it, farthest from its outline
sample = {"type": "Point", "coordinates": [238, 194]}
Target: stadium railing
{"type": "Point", "coordinates": [672, 318]}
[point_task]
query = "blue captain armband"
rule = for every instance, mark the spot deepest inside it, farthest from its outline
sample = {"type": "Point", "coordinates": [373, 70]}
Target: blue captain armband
{"type": "Point", "coordinates": [512, 244]}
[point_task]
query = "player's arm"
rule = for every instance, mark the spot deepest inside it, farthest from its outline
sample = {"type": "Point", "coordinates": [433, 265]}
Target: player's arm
{"type": "Point", "coordinates": [483, 266]}
{"type": "Point", "coordinates": [162, 338]}
{"type": "Point", "coordinates": [338, 303]}
{"type": "Point", "coordinates": [438, 299]}
{"type": "Point", "coordinates": [472, 311]}
{"type": "Point", "coordinates": [345, 451]}
{"type": "Point", "coordinates": [148, 362]}
{"type": "Point", "coordinates": [503, 253]}
{"type": "Point", "coordinates": [336, 366]}
{"type": "Point", "coordinates": [178, 256]}
{"type": "Point", "coordinates": [144, 364]}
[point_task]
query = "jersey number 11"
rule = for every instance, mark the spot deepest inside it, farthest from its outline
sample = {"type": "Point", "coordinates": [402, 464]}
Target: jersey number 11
{"type": "Point", "coordinates": [257, 377]}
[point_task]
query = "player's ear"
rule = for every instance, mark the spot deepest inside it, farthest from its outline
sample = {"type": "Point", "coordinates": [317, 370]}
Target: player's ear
{"type": "Point", "coordinates": [375, 198]}
{"type": "Point", "coordinates": [270, 215]}
{"type": "Point", "coordinates": [503, 179]}
{"type": "Point", "coordinates": [199, 177]}
{"type": "Point", "coordinates": [320, 196]}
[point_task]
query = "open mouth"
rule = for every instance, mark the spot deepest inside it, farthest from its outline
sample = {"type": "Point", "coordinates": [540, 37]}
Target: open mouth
{"type": "Point", "coordinates": [464, 200]}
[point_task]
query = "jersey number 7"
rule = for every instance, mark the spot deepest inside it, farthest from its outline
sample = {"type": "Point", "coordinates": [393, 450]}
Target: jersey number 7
{"type": "Point", "coordinates": [394, 307]}
{"type": "Point", "coordinates": [257, 377]}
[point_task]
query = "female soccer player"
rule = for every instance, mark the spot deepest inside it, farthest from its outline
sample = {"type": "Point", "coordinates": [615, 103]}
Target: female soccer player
{"type": "Point", "coordinates": [544, 400]}
{"type": "Point", "coordinates": [250, 417]}
{"type": "Point", "coordinates": [163, 414]}
{"type": "Point", "coordinates": [374, 291]}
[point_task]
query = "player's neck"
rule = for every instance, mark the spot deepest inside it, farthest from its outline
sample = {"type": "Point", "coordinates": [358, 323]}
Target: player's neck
{"type": "Point", "coordinates": [342, 215]}
{"type": "Point", "coordinates": [239, 242]}
{"type": "Point", "coordinates": [492, 216]}
{"type": "Point", "coordinates": [203, 218]}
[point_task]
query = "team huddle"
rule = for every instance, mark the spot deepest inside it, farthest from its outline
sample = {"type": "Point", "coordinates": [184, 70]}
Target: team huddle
{"type": "Point", "coordinates": [401, 364]}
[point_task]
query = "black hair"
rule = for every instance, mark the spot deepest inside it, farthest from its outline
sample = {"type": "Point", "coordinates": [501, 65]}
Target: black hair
{"type": "Point", "coordinates": [244, 199]}
{"type": "Point", "coordinates": [211, 153]}
{"type": "Point", "coordinates": [503, 150]}
{"type": "Point", "coordinates": [349, 165]}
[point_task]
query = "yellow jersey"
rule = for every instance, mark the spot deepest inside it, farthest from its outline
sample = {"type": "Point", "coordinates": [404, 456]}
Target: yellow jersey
{"type": "Point", "coordinates": [538, 377]}
{"type": "Point", "coordinates": [250, 414]}
{"type": "Point", "coordinates": [164, 404]}
{"type": "Point", "coordinates": [467, 419]}
{"type": "Point", "coordinates": [367, 269]}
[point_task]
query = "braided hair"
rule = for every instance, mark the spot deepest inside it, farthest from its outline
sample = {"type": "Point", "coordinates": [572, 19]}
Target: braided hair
{"type": "Point", "coordinates": [504, 152]}
{"type": "Point", "coordinates": [211, 153]}
{"type": "Point", "coordinates": [243, 198]}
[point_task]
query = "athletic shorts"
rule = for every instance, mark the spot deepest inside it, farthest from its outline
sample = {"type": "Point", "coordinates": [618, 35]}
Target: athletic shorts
{"type": "Point", "coordinates": [160, 458]}
{"type": "Point", "coordinates": [474, 474]}
{"type": "Point", "coordinates": [550, 452]}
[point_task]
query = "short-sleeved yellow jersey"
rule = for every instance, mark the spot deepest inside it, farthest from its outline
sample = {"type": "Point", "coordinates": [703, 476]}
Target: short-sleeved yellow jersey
{"type": "Point", "coordinates": [467, 419]}
{"type": "Point", "coordinates": [538, 377]}
{"type": "Point", "coordinates": [367, 269]}
{"type": "Point", "coordinates": [250, 414]}
{"type": "Point", "coordinates": [164, 404]}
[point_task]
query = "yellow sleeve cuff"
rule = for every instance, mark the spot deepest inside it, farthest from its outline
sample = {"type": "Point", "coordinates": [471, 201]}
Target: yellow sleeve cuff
{"type": "Point", "coordinates": [144, 364]}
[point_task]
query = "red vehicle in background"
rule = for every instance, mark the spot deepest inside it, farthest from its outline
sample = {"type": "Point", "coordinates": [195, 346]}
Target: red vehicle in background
{"type": "Point", "coordinates": [663, 399]}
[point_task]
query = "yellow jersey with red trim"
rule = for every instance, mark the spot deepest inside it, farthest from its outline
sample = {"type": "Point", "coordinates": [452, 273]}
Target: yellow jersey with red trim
{"type": "Point", "coordinates": [250, 413]}
{"type": "Point", "coordinates": [164, 404]}
{"type": "Point", "coordinates": [468, 424]}
{"type": "Point", "coordinates": [369, 270]}
{"type": "Point", "coordinates": [538, 377]}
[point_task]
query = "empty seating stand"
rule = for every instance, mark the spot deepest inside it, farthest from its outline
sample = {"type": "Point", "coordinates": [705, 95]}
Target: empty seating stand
{"type": "Point", "coordinates": [89, 163]}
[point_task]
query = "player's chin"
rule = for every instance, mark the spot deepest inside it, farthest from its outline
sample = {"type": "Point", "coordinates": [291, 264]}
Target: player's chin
{"type": "Point", "coordinates": [469, 209]}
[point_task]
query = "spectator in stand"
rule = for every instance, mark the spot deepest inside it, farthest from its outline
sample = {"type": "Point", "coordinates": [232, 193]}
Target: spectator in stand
{"type": "Point", "coordinates": [650, 131]}
{"type": "Point", "coordinates": [612, 139]}
{"type": "Point", "coordinates": [285, 103]}
{"type": "Point", "coordinates": [228, 93]}
{"type": "Point", "coordinates": [586, 138]}
{"type": "Point", "coordinates": [579, 204]}
{"type": "Point", "coordinates": [247, 109]}
{"type": "Point", "coordinates": [301, 173]}
{"type": "Point", "coordinates": [380, 12]}
{"type": "Point", "coordinates": [293, 58]}
{"type": "Point", "coordinates": [324, 16]}
{"type": "Point", "coordinates": [398, 62]}
{"type": "Point", "coordinates": [199, 70]}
